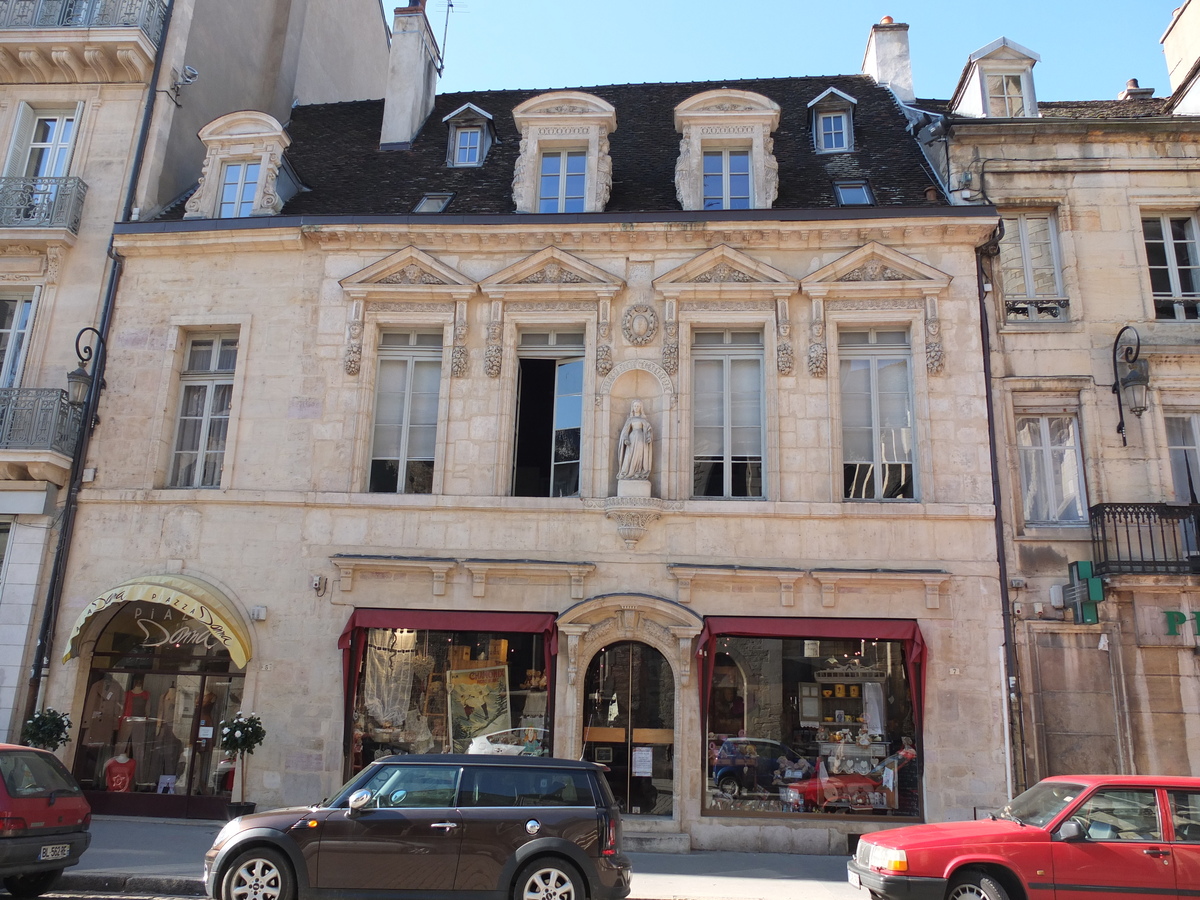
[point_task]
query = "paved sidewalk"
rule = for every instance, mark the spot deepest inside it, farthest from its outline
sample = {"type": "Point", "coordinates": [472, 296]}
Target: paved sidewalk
{"type": "Point", "coordinates": [164, 857]}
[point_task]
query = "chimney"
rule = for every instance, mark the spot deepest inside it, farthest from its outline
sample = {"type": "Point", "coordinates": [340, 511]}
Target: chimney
{"type": "Point", "coordinates": [413, 70]}
{"type": "Point", "coordinates": [1134, 92]}
{"type": "Point", "coordinates": [887, 59]}
{"type": "Point", "coordinates": [1181, 43]}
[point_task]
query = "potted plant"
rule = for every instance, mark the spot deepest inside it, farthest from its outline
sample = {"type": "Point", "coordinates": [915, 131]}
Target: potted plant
{"type": "Point", "coordinates": [47, 729]}
{"type": "Point", "coordinates": [239, 737]}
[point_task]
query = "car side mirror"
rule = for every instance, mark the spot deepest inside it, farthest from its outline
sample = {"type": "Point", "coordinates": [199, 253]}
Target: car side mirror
{"type": "Point", "coordinates": [359, 800]}
{"type": "Point", "coordinates": [1070, 830]}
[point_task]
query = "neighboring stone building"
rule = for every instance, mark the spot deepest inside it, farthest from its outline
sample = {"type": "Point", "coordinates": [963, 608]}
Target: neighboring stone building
{"type": "Point", "coordinates": [360, 463]}
{"type": "Point", "coordinates": [1099, 205]}
{"type": "Point", "coordinates": [79, 120]}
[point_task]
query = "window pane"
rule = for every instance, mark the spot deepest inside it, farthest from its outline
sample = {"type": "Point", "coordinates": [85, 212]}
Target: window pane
{"type": "Point", "coordinates": [739, 162]}
{"type": "Point", "coordinates": [1120, 816]}
{"type": "Point", "coordinates": [419, 477]}
{"type": "Point", "coordinates": [714, 162]}
{"type": "Point", "coordinates": [1185, 814]}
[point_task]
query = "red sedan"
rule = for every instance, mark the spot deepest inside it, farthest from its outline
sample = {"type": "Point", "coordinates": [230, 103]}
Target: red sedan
{"type": "Point", "coordinates": [1066, 838]}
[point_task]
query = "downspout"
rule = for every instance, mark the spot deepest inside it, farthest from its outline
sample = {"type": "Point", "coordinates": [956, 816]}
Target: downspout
{"type": "Point", "coordinates": [1011, 690]}
{"type": "Point", "coordinates": [45, 640]}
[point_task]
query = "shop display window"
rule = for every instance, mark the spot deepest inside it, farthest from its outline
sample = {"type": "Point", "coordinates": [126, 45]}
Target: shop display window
{"type": "Point", "coordinates": [160, 684]}
{"type": "Point", "coordinates": [800, 726]}
{"type": "Point", "coordinates": [422, 691]}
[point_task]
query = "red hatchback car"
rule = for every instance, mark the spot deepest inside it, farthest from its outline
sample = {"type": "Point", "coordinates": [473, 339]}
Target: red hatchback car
{"type": "Point", "coordinates": [44, 820]}
{"type": "Point", "coordinates": [1066, 837]}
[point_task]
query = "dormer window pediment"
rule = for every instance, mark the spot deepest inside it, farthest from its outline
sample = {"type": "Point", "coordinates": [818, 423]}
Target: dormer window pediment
{"type": "Point", "coordinates": [564, 164]}
{"type": "Point", "coordinates": [726, 156]}
{"type": "Point", "coordinates": [244, 171]}
{"type": "Point", "coordinates": [471, 135]}
{"type": "Point", "coordinates": [832, 121]}
{"type": "Point", "coordinates": [997, 83]}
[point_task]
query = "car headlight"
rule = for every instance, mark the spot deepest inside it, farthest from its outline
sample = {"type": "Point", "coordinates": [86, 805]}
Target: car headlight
{"type": "Point", "coordinates": [887, 859]}
{"type": "Point", "coordinates": [227, 832]}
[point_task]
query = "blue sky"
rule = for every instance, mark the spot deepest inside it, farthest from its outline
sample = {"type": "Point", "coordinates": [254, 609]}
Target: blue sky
{"type": "Point", "coordinates": [1088, 49]}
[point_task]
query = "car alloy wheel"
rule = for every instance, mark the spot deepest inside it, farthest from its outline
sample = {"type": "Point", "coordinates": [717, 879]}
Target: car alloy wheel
{"type": "Point", "coordinates": [976, 886]}
{"type": "Point", "coordinates": [549, 879]}
{"type": "Point", "coordinates": [261, 874]}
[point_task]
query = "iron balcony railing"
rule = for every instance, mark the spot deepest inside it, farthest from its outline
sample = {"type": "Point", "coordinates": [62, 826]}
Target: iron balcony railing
{"type": "Point", "coordinates": [42, 202]}
{"type": "Point", "coordinates": [38, 419]}
{"type": "Point", "coordinates": [147, 15]}
{"type": "Point", "coordinates": [1145, 538]}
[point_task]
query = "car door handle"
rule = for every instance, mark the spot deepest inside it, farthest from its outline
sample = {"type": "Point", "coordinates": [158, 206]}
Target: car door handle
{"type": "Point", "coordinates": [1156, 852]}
{"type": "Point", "coordinates": [446, 825]}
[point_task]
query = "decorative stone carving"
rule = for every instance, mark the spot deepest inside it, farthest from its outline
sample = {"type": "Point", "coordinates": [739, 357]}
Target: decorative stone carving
{"type": "Point", "coordinates": [354, 347]}
{"type": "Point", "coordinates": [552, 273]}
{"type": "Point", "coordinates": [604, 361]}
{"type": "Point", "coordinates": [574, 115]}
{"type": "Point", "coordinates": [934, 361]}
{"type": "Point", "coordinates": [411, 274]}
{"type": "Point", "coordinates": [633, 515]}
{"type": "Point", "coordinates": [635, 446]}
{"type": "Point", "coordinates": [784, 359]}
{"type": "Point", "coordinates": [245, 137]}
{"type": "Point", "coordinates": [494, 354]}
{"type": "Point", "coordinates": [722, 273]}
{"type": "Point", "coordinates": [642, 365]}
{"type": "Point", "coordinates": [817, 354]}
{"type": "Point", "coordinates": [458, 362]}
{"type": "Point", "coordinates": [639, 325]}
{"type": "Point", "coordinates": [726, 117]}
{"type": "Point", "coordinates": [875, 270]}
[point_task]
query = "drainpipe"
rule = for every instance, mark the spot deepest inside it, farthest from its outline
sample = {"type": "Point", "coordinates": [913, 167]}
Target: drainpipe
{"type": "Point", "coordinates": [1011, 690]}
{"type": "Point", "coordinates": [45, 640]}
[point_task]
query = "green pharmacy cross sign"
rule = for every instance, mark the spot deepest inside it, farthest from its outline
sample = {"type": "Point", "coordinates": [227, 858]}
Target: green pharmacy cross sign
{"type": "Point", "coordinates": [1083, 592]}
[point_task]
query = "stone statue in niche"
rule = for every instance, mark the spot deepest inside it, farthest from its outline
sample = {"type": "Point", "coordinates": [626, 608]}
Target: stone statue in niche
{"type": "Point", "coordinates": [635, 445]}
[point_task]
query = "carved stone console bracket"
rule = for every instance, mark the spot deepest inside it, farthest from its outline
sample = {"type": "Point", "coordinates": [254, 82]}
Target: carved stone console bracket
{"type": "Point", "coordinates": [348, 564]}
{"type": "Point", "coordinates": [786, 578]}
{"type": "Point", "coordinates": [931, 580]}
{"type": "Point", "coordinates": [632, 515]}
{"type": "Point", "coordinates": [480, 569]}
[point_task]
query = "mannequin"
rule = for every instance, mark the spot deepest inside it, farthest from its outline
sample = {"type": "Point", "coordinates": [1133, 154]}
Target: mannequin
{"type": "Point", "coordinates": [135, 727]}
{"type": "Point", "coordinates": [101, 718]}
{"type": "Point", "coordinates": [118, 773]}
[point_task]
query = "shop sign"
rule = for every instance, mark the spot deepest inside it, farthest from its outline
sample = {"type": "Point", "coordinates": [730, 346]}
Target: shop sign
{"type": "Point", "coordinates": [189, 606]}
{"type": "Point", "coordinates": [158, 634]}
{"type": "Point", "coordinates": [1177, 620]}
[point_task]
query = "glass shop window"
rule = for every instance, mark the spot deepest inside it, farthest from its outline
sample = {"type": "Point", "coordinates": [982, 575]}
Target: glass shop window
{"type": "Point", "coordinates": [450, 692]}
{"type": "Point", "coordinates": [800, 727]}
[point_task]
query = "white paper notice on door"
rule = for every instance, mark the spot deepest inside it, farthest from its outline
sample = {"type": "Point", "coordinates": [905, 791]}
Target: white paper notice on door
{"type": "Point", "coordinates": [643, 761]}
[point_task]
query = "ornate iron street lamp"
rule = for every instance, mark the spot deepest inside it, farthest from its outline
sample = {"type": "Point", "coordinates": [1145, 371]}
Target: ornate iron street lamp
{"type": "Point", "coordinates": [79, 382]}
{"type": "Point", "coordinates": [1135, 381]}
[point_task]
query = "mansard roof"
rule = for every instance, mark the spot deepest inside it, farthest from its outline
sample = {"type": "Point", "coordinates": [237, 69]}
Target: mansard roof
{"type": "Point", "coordinates": [335, 151]}
{"type": "Point", "coordinates": [1135, 108]}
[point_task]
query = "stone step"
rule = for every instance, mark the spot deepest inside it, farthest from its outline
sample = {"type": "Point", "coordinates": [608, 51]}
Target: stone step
{"type": "Point", "coordinates": [655, 842]}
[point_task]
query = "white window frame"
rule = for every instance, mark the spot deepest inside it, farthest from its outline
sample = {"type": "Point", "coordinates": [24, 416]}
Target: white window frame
{"type": "Point", "coordinates": [561, 198]}
{"type": "Point", "coordinates": [1005, 97]}
{"type": "Point", "coordinates": [410, 348]}
{"type": "Point", "coordinates": [729, 351]}
{"type": "Point", "coordinates": [875, 353]}
{"type": "Point", "coordinates": [563, 120]}
{"type": "Point", "coordinates": [829, 106]}
{"type": "Point", "coordinates": [13, 364]}
{"type": "Point", "coordinates": [562, 351]}
{"type": "Point", "coordinates": [1037, 462]}
{"type": "Point", "coordinates": [726, 198]}
{"type": "Point", "coordinates": [1037, 307]}
{"type": "Point", "coordinates": [22, 145]}
{"type": "Point", "coordinates": [242, 207]}
{"type": "Point", "coordinates": [1174, 299]}
{"type": "Point", "coordinates": [1191, 448]}
{"type": "Point", "coordinates": [466, 155]}
{"type": "Point", "coordinates": [828, 138]}
{"type": "Point", "coordinates": [212, 378]}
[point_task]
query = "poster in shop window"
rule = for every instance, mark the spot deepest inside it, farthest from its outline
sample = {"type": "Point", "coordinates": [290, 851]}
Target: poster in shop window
{"type": "Point", "coordinates": [478, 704]}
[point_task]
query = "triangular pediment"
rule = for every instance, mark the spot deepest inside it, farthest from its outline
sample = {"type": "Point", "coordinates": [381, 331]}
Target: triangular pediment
{"type": "Point", "coordinates": [408, 272]}
{"type": "Point", "coordinates": [551, 270]}
{"type": "Point", "coordinates": [876, 266]}
{"type": "Point", "coordinates": [724, 268]}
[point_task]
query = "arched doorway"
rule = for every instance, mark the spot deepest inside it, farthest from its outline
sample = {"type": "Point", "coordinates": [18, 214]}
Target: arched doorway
{"type": "Point", "coordinates": [629, 725]}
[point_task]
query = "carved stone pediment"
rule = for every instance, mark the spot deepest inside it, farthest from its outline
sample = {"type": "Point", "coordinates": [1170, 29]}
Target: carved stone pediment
{"type": "Point", "coordinates": [551, 271]}
{"type": "Point", "coordinates": [875, 270]}
{"type": "Point", "coordinates": [724, 272]}
{"type": "Point", "coordinates": [408, 274]}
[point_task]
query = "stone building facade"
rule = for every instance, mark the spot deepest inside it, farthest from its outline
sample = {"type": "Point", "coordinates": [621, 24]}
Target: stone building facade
{"type": "Point", "coordinates": [642, 423]}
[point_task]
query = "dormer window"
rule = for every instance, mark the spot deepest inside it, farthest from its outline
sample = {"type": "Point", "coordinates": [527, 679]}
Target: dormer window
{"type": "Point", "coordinates": [471, 136]}
{"type": "Point", "coordinates": [726, 157]}
{"type": "Point", "coordinates": [245, 173]}
{"type": "Point", "coordinates": [997, 83]}
{"type": "Point", "coordinates": [564, 166]}
{"type": "Point", "coordinates": [833, 121]}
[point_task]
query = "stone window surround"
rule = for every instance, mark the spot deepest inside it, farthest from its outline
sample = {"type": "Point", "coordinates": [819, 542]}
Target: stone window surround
{"type": "Point", "coordinates": [564, 120]}
{"type": "Point", "coordinates": [833, 101]}
{"type": "Point", "coordinates": [726, 119]}
{"type": "Point", "coordinates": [246, 136]}
{"type": "Point", "coordinates": [469, 116]}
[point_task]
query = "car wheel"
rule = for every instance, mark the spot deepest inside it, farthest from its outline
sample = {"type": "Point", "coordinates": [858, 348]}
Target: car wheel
{"type": "Point", "coordinates": [729, 785]}
{"type": "Point", "coordinates": [259, 874]}
{"type": "Point", "coordinates": [549, 879]}
{"type": "Point", "coordinates": [976, 886]}
{"type": "Point", "coordinates": [33, 885]}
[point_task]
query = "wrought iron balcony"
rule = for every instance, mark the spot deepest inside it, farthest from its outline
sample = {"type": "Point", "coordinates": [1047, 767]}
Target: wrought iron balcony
{"type": "Point", "coordinates": [144, 14]}
{"type": "Point", "coordinates": [1145, 538]}
{"type": "Point", "coordinates": [42, 202]}
{"type": "Point", "coordinates": [38, 419]}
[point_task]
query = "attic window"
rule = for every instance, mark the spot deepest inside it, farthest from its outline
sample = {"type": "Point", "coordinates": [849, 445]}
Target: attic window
{"type": "Point", "coordinates": [1006, 98]}
{"type": "Point", "coordinates": [471, 136]}
{"type": "Point", "coordinates": [433, 203]}
{"type": "Point", "coordinates": [833, 121]}
{"type": "Point", "coordinates": [853, 193]}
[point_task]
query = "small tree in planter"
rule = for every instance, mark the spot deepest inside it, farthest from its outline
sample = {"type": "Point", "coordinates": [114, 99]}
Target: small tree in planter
{"type": "Point", "coordinates": [47, 729]}
{"type": "Point", "coordinates": [240, 736]}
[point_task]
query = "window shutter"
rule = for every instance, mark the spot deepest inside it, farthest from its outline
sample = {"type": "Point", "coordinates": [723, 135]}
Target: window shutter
{"type": "Point", "coordinates": [18, 150]}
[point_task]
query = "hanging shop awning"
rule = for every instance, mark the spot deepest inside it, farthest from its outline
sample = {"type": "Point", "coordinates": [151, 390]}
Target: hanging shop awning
{"type": "Point", "coordinates": [194, 598]}
{"type": "Point", "coordinates": [905, 630]}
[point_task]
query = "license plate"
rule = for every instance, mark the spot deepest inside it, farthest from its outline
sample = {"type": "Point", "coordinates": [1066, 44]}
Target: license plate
{"type": "Point", "coordinates": [853, 878]}
{"type": "Point", "coordinates": [55, 851]}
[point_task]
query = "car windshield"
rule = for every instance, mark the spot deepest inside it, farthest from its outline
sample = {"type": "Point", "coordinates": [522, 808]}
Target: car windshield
{"type": "Point", "coordinates": [31, 774]}
{"type": "Point", "coordinates": [1041, 803]}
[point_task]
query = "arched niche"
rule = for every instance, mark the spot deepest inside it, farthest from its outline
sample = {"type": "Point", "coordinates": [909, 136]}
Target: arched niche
{"type": "Point", "coordinates": [637, 379]}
